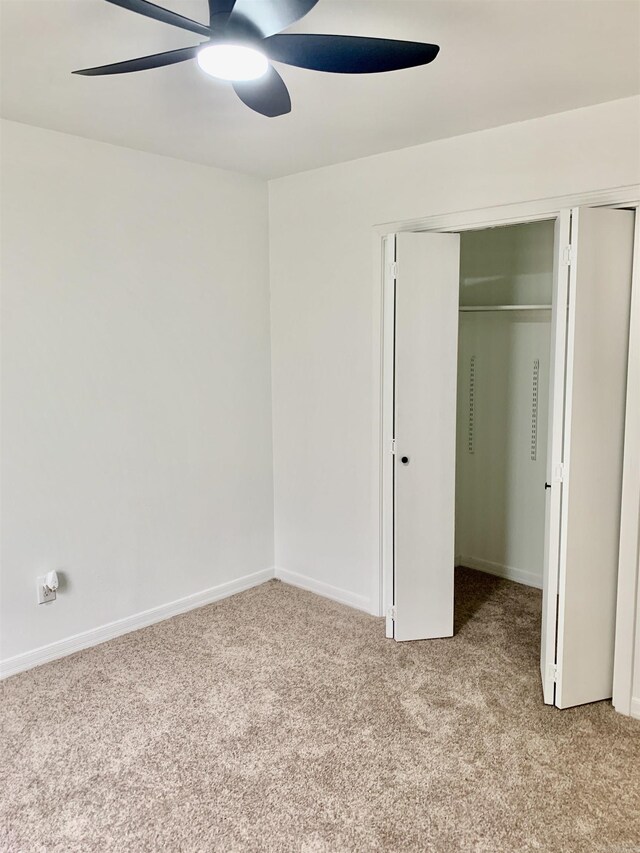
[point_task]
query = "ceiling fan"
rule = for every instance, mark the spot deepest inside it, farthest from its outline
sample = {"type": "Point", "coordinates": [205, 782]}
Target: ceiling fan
{"type": "Point", "coordinates": [244, 36]}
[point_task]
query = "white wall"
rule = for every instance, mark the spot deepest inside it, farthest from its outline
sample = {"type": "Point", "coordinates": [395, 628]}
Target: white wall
{"type": "Point", "coordinates": [500, 494]}
{"type": "Point", "coordinates": [325, 309]}
{"type": "Point", "coordinates": [136, 441]}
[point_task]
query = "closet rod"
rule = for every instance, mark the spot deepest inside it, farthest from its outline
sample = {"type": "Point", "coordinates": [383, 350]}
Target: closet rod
{"type": "Point", "coordinates": [505, 308]}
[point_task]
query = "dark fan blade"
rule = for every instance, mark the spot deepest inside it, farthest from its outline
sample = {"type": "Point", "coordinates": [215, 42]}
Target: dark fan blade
{"type": "Point", "coordinates": [160, 14]}
{"type": "Point", "coordinates": [348, 54]}
{"type": "Point", "coordinates": [267, 95]}
{"type": "Point", "coordinates": [156, 60]}
{"type": "Point", "coordinates": [219, 11]}
{"type": "Point", "coordinates": [272, 16]}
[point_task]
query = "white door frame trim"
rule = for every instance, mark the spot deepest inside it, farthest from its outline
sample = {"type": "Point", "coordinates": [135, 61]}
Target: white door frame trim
{"type": "Point", "coordinates": [469, 220]}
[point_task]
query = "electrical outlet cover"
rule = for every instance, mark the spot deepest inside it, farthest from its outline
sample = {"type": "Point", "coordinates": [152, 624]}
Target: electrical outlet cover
{"type": "Point", "coordinates": [45, 595]}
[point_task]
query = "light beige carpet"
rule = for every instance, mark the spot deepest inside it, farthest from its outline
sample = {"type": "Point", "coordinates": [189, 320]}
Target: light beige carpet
{"type": "Point", "coordinates": [279, 721]}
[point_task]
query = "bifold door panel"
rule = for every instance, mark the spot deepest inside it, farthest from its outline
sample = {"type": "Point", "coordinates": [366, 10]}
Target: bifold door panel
{"type": "Point", "coordinates": [553, 485]}
{"type": "Point", "coordinates": [426, 319]}
{"type": "Point", "coordinates": [597, 347]}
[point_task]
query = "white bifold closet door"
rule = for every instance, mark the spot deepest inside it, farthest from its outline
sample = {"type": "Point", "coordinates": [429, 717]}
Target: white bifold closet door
{"type": "Point", "coordinates": [582, 560]}
{"type": "Point", "coordinates": [426, 317]}
{"type": "Point", "coordinates": [555, 454]}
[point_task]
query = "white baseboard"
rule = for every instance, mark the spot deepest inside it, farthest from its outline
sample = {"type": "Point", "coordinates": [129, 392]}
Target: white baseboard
{"type": "Point", "coordinates": [508, 572]}
{"type": "Point", "coordinates": [360, 602]}
{"type": "Point", "coordinates": [634, 710]}
{"type": "Point", "coordinates": [95, 636]}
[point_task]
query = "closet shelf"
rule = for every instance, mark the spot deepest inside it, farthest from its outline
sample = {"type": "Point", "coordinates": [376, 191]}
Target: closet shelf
{"type": "Point", "coordinates": [505, 308]}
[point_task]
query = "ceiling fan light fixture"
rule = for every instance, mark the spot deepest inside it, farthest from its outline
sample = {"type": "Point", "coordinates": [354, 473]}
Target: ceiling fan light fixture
{"type": "Point", "coordinates": [244, 37]}
{"type": "Point", "coordinates": [235, 62]}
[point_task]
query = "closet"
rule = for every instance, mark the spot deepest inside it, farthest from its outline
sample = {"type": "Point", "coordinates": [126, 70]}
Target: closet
{"type": "Point", "coordinates": [504, 386]}
{"type": "Point", "coordinates": [504, 337]}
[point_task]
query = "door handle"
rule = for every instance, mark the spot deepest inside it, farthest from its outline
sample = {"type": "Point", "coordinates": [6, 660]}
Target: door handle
{"type": "Point", "coordinates": [547, 485]}
{"type": "Point", "coordinates": [405, 460]}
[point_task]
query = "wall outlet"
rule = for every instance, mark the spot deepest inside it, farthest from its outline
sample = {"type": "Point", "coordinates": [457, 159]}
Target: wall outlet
{"type": "Point", "coordinates": [44, 593]}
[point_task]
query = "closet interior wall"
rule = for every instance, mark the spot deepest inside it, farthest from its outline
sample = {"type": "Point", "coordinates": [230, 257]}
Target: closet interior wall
{"type": "Point", "coordinates": [503, 390]}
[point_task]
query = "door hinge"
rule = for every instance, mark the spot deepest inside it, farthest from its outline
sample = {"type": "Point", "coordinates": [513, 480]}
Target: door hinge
{"type": "Point", "coordinates": [559, 475]}
{"type": "Point", "coordinates": [391, 613]}
{"type": "Point", "coordinates": [393, 446]}
{"type": "Point", "coordinates": [393, 269]}
{"type": "Point", "coordinates": [552, 672]}
{"type": "Point", "coordinates": [568, 255]}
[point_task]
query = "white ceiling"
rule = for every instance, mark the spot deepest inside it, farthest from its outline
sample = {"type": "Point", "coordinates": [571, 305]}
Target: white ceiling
{"type": "Point", "coordinates": [500, 62]}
